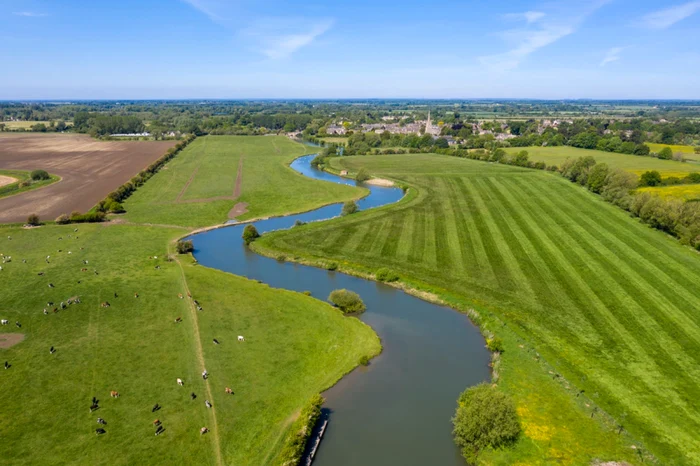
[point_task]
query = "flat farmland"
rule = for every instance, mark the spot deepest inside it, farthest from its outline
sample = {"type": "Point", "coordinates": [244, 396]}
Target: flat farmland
{"type": "Point", "coordinates": [89, 170]}
{"type": "Point", "coordinates": [631, 163]}
{"type": "Point", "coordinates": [612, 304]}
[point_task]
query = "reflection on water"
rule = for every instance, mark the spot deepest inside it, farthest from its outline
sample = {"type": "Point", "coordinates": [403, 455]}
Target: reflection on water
{"type": "Point", "coordinates": [398, 409]}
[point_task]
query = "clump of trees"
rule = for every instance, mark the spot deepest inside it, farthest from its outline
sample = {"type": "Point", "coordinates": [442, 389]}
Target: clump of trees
{"type": "Point", "coordinates": [386, 275]}
{"type": "Point", "coordinates": [349, 207]}
{"type": "Point", "coordinates": [39, 175]}
{"type": "Point", "coordinates": [485, 418]}
{"type": "Point", "coordinates": [185, 246]}
{"type": "Point", "coordinates": [347, 301]}
{"type": "Point", "coordinates": [250, 233]}
{"type": "Point", "coordinates": [98, 124]}
{"type": "Point", "coordinates": [362, 175]}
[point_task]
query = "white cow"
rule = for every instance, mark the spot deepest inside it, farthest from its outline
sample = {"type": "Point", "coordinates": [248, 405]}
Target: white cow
{"type": "Point", "coordinates": [180, 382]}
{"type": "Point", "coordinates": [5, 321]}
{"type": "Point", "coordinates": [240, 338]}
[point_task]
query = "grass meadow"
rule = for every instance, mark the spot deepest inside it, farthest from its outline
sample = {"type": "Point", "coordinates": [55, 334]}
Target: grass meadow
{"type": "Point", "coordinates": [197, 188]}
{"type": "Point", "coordinates": [631, 163]}
{"type": "Point", "coordinates": [610, 304]}
{"type": "Point", "coordinates": [295, 347]}
{"type": "Point", "coordinates": [20, 176]}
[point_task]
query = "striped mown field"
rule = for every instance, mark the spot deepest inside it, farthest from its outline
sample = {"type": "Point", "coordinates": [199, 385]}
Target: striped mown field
{"type": "Point", "coordinates": [611, 303]}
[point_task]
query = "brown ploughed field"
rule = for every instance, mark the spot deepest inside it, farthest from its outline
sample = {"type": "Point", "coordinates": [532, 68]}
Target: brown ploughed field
{"type": "Point", "coordinates": [89, 170]}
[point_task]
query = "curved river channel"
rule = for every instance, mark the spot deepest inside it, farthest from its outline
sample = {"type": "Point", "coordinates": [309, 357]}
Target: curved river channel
{"type": "Point", "coordinates": [398, 409]}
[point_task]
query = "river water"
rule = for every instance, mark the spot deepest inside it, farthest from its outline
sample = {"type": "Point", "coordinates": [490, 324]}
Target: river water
{"type": "Point", "coordinates": [397, 410]}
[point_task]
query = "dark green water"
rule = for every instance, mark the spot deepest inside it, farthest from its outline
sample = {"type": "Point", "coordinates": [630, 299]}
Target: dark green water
{"type": "Point", "coordinates": [397, 410]}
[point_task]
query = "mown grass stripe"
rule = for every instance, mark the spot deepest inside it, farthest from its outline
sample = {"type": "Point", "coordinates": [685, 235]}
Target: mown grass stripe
{"type": "Point", "coordinates": [594, 268]}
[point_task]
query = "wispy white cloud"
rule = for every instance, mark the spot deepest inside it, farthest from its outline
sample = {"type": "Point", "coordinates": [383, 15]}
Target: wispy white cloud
{"type": "Point", "coordinates": [276, 40]}
{"type": "Point", "coordinates": [273, 37]}
{"type": "Point", "coordinates": [206, 7]}
{"type": "Point", "coordinates": [541, 30]}
{"type": "Point", "coordinates": [29, 14]}
{"type": "Point", "coordinates": [667, 17]}
{"type": "Point", "coordinates": [529, 16]}
{"type": "Point", "coordinates": [612, 55]}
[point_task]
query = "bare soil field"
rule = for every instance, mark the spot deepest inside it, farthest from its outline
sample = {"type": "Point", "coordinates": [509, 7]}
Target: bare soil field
{"type": "Point", "coordinates": [89, 170]}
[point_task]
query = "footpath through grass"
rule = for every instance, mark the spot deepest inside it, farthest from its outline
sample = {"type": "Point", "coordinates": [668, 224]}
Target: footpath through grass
{"type": "Point", "coordinates": [631, 163]}
{"type": "Point", "coordinates": [613, 305]}
{"type": "Point", "coordinates": [199, 187]}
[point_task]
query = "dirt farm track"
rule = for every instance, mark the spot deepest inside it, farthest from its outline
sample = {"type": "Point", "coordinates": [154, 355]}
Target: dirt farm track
{"type": "Point", "coordinates": [89, 170]}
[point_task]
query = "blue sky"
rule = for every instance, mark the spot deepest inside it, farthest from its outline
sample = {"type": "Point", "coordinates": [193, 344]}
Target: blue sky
{"type": "Point", "coordinates": [87, 49]}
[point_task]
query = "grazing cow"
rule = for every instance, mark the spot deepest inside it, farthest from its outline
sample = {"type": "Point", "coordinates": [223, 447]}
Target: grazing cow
{"type": "Point", "coordinates": [180, 382]}
{"type": "Point", "coordinates": [52, 350]}
{"type": "Point", "coordinates": [157, 267]}
{"type": "Point", "coordinates": [193, 396]}
{"type": "Point", "coordinates": [51, 285]}
{"type": "Point", "coordinates": [94, 407]}
{"type": "Point", "coordinates": [203, 431]}
{"type": "Point", "coordinates": [49, 304]}
{"type": "Point", "coordinates": [179, 295]}
{"type": "Point", "coordinates": [178, 320]}
{"type": "Point", "coordinates": [46, 312]}
{"type": "Point", "coordinates": [96, 273]}
{"type": "Point", "coordinates": [206, 402]}
{"type": "Point", "coordinates": [105, 304]}
{"type": "Point", "coordinates": [40, 274]}
{"type": "Point", "coordinates": [199, 308]}
{"type": "Point", "coordinates": [160, 430]}
{"type": "Point", "coordinates": [7, 366]}
{"type": "Point", "coordinates": [84, 269]}
{"type": "Point", "coordinates": [100, 431]}
{"type": "Point", "coordinates": [5, 321]}
{"type": "Point", "coordinates": [216, 342]}
{"type": "Point", "coordinates": [85, 262]}
{"type": "Point", "coordinates": [229, 391]}
{"type": "Point", "coordinates": [114, 394]}
{"type": "Point", "coordinates": [18, 325]}
{"type": "Point", "coordinates": [205, 374]}
{"type": "Point", "coordinates": [155, 408]}
{"type": "Point", "coordinates": [156, 423]}
{"type": "Point", "coordinates": [115, 294]}
{"type": "Point", "coordinates": [136, 295]}
{"type": "Point", "coordinates": [189, 295]}
{"type": "Point", "coordinates": [196, 303]}
{"type": "Point", "coordinates": [94, 400]}
{"type": "Point", "coordinates": [101, 421]}
{"type": "Point", "coordinates": [240, 338]}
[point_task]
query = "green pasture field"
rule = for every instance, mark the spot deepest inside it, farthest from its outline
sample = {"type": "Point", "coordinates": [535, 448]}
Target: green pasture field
{"type": "Point", "coordinates": [631, 163]}
{"type": "Point", "coordinates": [335, 139]}
{"type": "Point", "coordinates": [196, 188]}
{"type": "Point", "coordinates": [20, 176]}
{"type": "Point", "coordinates": [611, 304]}
{"type": "Point", "coordinates": [295, 347]}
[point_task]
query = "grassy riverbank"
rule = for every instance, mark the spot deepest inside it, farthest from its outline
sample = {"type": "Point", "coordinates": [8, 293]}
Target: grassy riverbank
{"type": "Point", "coordinates": [610, 303]}
{"type": "Point", "coordinates": [204, 182]}
{"type": "Point", "coordinates": [295, 346]}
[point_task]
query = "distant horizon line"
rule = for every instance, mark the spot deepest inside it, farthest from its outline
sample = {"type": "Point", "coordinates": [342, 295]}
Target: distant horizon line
{"type": "Point", "coordinates": [350, 99]}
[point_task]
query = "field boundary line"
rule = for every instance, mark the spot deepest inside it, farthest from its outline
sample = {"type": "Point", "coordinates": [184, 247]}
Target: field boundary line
{"type": "Point", "coordinates": [200, 357]}
{"type": "Point", "coordinates": [187, 185]}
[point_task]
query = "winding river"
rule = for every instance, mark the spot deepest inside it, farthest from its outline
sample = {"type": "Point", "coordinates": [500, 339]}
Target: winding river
{"type": "Point", "coordinates": [398, 409]}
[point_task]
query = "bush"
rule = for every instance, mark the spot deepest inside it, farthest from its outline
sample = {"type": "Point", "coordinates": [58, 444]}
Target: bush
{"type": "Point", "coordinates": [666, 153]}
{"type": "Point", "coordinates": [386, 275]}
{"type": "Point", "coordinates": [350, 207]}
{"type": "Point", "coordinates": [364, 360]}
{"type": "Point", "coordinates": [250, 233]}
{"type": "Point", "coordinates": [332, 266]}
{"type": "Point", "coordinates": [38, 175]}
{"type": "Point", "coordinates": [347, 301]}
{"type": "Point", "coordinates": [650, 178]}
{"type": "Point", "coordinates": [495, 344]}
{"type": "Point", "coordinates": [185, 247]}
{"type": "Point", "coordinates": [63, 219]}
{"type": "Point", "coordinates": [362, 175]}
{"type": "Point", "coordinates": [33, 220]}
{"type": "Point", "coordinates": [90, 217]}
{"type": "Point", "coordinates": [485, 418]}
